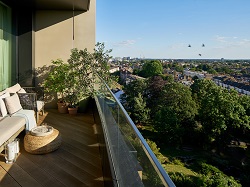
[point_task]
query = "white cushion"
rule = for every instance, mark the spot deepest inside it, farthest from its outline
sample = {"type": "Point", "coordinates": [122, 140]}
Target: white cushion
{"type": "Point", "coordinates": [9, 126]}
{"type": "Point", "coordinates": [12, 104]}
{"type": "Point", "coordinates": [40, 105]}
{"type": "Point", "coordinates": [3, 110]}
{"type": "Point", "coordinates": [14, 89]}
{"type": "Point", "coordinates": [21, 91]}
{"type": "Point", "coordinates": [2, 92]}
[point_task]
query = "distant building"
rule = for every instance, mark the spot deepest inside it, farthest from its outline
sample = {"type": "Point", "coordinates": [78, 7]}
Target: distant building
{"type": "Point", "coordinates": [194, 73]}
{"type": "Point", "coordinates": [114, 69]}
{"type": "Point", "coordinates": [126, 58]}
{"type": "Point", "coordinates": [125, 72]}
{"type": "Point", "coordinates": [228, 83]}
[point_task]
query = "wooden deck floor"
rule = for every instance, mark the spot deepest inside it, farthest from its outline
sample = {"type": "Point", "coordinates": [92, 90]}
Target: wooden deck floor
{"type": "Point", "coordinates": [76, 163]}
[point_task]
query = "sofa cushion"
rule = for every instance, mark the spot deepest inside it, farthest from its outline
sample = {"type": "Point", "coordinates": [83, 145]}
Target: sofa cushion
{"type": "Point", "coordinates": [21, 91]}
{"type": "Point", "coordinates": [9, 126]}
{"type": "Point", "coordinates": [3, 92]}
{"type": "Point", "coordinates": [39, 105]}
{"type": "Point", "coordinates": [3, 110]}
{"type": "Point", "coordinates": [12, 104]}
{"type": "Point", "coordinates": [14, 89]}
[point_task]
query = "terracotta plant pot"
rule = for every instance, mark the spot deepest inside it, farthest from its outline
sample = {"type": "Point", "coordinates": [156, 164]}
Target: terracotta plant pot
{"type": "Point", "coordinates": [73, 111]}
{"type": "Point", "coordinates": [62, 108]}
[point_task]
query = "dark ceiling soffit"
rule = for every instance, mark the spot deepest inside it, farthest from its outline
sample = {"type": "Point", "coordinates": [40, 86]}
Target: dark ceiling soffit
{"type": "Point", "coordinates": [78, 5]}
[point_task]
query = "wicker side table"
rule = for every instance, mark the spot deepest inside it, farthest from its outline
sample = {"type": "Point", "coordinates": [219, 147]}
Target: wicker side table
{"type": "Point", "coordinates": [42, 144]}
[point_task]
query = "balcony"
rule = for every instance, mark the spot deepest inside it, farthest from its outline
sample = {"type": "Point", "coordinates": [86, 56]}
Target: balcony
{"type": "Point", "coordinates": [101, 147]}
{"type": "Point", "coordinates": [76, 163]}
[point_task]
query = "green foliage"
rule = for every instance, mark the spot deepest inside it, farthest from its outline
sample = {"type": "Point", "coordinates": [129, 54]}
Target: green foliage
{"type": "Point", "coordinates": [168, 78]}
{"type": "Point", "coordinates": [179, 68]}
{"type": "Point", "coordinates": [212, 71]}
{"type": "Point", "coordinates": [100, 64]}
{"type": "Point", "coordinates": [208, 176]}
{"type": "Point", "coordinates": [55, 82]}
{"type": "Point", "coordinates": [182, 180]}
{"type": "Point", "coordinates": [245, 102]}
{"type": "Point", "coordinates": [132, 91]}
{"type": "Point", "coordinates": [204, 114]}
{"type": "Point", "coordinates": [153, 91]}
{"type": "Point", "coordinates": [175, 111]}
{"type": "Point", "coordinates": [152, 68]}
{"type": "Point", "coordinates": [141, 112]}
{"type": "Point", "coordinates": [212, 176]}
{"type": "Point", "coordinates": [75, 79]}
{"type": "Point", "coordinates": [224, 69]}
{"type": "Point", "coordinates": [178, 162]}
{"type": "Point", "coordinates": [220, 111]}
{"type": "Point", "coordinates": [162, 159]}
{"type": "Point", "coordinates": [167, 125]}
{"type": "Point", "coordinates": [179, 98]}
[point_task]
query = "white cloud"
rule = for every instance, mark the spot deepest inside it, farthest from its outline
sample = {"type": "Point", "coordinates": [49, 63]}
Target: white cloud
{"type": "Point", "coordinates": [177, 46]}
{"type": "Point", "coordinates": [231, 41]}
{"type": "Point", "coordinates": [221, 38]}
{"type": "Point", "coordinates": [124, 43]}
{"type": "Point", "coordinates": [246, 41]}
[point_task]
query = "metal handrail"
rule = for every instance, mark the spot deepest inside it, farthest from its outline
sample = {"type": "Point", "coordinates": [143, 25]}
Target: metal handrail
{"type": "Point", "coordinates": [158, 167]}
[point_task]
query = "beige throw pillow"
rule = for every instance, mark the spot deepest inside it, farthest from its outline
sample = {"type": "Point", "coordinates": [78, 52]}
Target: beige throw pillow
{"type": "Point", "coordinates": [14, 89]}
{"type": "Point", "coordinates": [22, 91]}
{"type": "Point", "coordinates": [3, 110]}
{"type": "Point", "coordinates": [12, 104]}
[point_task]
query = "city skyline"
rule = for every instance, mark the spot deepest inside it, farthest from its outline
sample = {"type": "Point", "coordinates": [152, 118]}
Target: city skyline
{"type": "Point", "coordinates": [149, 29]}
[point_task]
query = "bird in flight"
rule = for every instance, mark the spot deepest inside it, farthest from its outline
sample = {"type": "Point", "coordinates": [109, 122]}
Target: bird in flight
{"type": "Point", "coordinates": [189, 45]}
{"type": "Point", "coordinates": [203, 45]}
{"type": "Point", "coordinates": [199, 54]}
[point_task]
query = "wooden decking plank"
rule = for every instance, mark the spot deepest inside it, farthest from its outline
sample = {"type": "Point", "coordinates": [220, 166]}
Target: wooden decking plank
{"type": "Point", "coordinates": [6, 179]}
{"type": "Point", "coordinates": [38, 173]}
{"type": "Point", "coordinates": [92, 167]}
{"type": "Point", "coordinates": [54, 170]}
{"type": "Point", "coordinates": [83, 154]}
{"type": "Point", "coordinates": [76, 134]}
{"type": "Point", "coordinates": [74, 170]}
{"type": "Point", "coordinates": [20, 176]}
{"type": "Point", "coordinates": [67, 121]}
{"type": "Point", "coordinates": [92, 150]}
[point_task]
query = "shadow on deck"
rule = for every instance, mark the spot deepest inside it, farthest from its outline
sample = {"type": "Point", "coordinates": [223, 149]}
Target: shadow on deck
{"type": "Point", "coordinates": [76, 163]}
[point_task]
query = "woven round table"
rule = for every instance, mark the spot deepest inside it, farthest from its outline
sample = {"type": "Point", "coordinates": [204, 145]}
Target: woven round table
{"type": "Point", "coordinates": [42, 144]}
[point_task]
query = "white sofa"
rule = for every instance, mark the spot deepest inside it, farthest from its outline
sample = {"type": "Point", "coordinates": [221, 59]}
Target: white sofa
{"type": "Point", "coordinates": [31, 98]}
{"type": "Point", "coordinates": [10, 128]}
{"type": "Point", "coordinates": [13, 118]}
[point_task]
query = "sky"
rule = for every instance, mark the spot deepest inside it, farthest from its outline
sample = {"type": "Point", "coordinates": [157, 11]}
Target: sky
{"type": "Point", "coordinates": [163, 29]}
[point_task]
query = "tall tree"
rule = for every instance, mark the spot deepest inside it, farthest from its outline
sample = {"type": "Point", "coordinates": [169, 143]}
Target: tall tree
{"type": "Point", "coordinates": [220, 111]}
{"type": "Point", "coordinates": [152, 68]}
{"type": "Point", "coordinates": [141, 112]}
{"type": "Point", "coordinates": [175, 113]}
{"type": "Point", "coordinates": [179, 97]}
{"type": "Point", "coordinates": [154, 89]}
{"type": "Point", "coordinates": [132, 90]}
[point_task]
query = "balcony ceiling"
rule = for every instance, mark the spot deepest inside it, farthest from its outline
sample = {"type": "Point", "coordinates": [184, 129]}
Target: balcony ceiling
{"type": "Point", "coordinates": [81, 5]}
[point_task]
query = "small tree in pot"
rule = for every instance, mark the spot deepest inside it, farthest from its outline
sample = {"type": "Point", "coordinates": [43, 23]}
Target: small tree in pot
{"type": "Point", "coordinates": [78, 74]}
{"type": "Point", "coordinates": [83, 69]}
{"type": "Point", "coordinates": [55, 83]}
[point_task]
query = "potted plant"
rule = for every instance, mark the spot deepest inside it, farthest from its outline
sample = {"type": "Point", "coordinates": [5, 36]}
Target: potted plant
{"type": "Point", "coordinates": [77, 75]}
{"type": "Point", "coordinates": [55, 83]}
{"type": "Point", "coordinates": [72, 101]}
